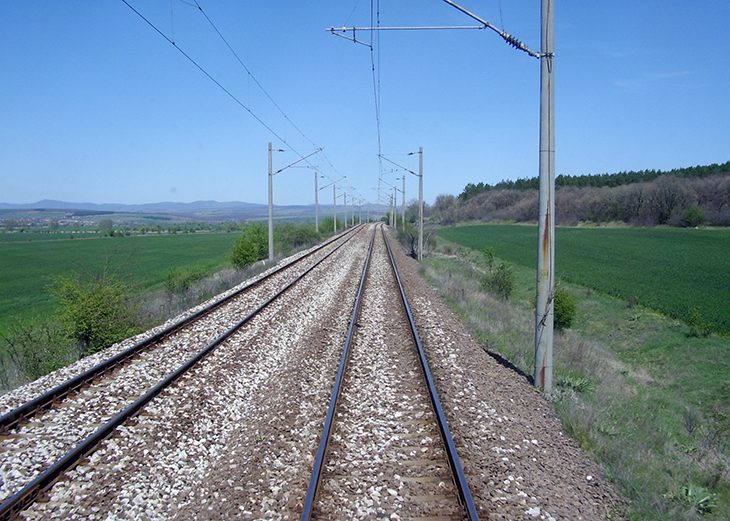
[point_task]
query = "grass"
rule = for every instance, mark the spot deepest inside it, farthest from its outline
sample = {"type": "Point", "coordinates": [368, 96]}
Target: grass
{"type": "Point", "coordinates": [650, 401]}
{"type": "Point", "coordinates": [682, 273]}
{"type": "Point", "coordinates": [144, 261]}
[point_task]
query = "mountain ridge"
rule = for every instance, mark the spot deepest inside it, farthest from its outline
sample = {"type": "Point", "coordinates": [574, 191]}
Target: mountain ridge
{"type": "Point", "coordinates": [163, 207]}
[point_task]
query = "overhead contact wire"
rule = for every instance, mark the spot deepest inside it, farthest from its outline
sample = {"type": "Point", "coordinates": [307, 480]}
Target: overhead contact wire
{"type": "Point", "coordinates": [191, 60]}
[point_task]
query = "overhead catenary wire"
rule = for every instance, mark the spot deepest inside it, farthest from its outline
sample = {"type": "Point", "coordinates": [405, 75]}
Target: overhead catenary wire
{"type": "Point", "coordinates": [227, 91]}
{"type": "Point", "coordinates": [211, 78]}
{"type": "Point", "coordinates": [260, 86]}
{"type": "Point", "coordinates": [375, 5]}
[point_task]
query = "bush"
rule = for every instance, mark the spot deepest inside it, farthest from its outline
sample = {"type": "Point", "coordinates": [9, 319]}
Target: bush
{"type": "Point", "coordinates": [565, 308]}
{"type": "Point", "coordinates": [500, 281]}
{"type": "Point", "coordinates": [693, 216]}
{"type": "Point", "coordinates": [179, 280]}
{"type": "Point", "coordinates": [289, 237]}
{"type": "Point", "coordinates": [95, 311]}
{"type": "Point", "coordinates": [327, 225]}
{"type": "Point", "coordinates": [30, 351]}
{"type": "Point", "coordinates": [698, 326]}
{"type": "Point", "coordinates": [251, 246]}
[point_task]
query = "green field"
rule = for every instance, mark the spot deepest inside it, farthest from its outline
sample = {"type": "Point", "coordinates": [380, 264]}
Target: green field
{"type": "Point", "coordinates": [27, 266]}
{"type": "Point", "coordinates": [673, 271]}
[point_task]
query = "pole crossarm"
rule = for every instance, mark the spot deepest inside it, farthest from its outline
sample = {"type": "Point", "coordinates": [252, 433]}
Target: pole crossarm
{"type": "Point", "coordinates": [333, 182]}
{"type": "Point", "coordinates": [399, 166]}
{"type": "Point", "coordinates": [511, 40]}
{"type": "Point", "coordinates": [297, 161]}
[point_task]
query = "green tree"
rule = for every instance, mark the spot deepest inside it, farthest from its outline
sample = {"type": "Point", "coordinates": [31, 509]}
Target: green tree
{"type": "Point", "coordinates": [251, 246]}
{"type": "Point", "coordinates": [105, 226]}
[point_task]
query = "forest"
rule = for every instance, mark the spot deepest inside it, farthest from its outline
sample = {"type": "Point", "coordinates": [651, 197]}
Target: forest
{"type": "Point", "coordinates": [686, 197]}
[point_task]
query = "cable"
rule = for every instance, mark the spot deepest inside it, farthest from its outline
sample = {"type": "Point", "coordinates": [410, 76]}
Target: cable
{"type": "Point", "coordinates": [258, 84]}
{"type": "Point", "coordinates": [376, 77]}
{"type": "Point", "coordinates": [251, 74]}
{"type": "Point", "coordinates": [234, 98]}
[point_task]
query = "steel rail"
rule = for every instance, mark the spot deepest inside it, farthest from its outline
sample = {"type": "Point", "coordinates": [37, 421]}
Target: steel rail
{"type": "Point", "coordinates": [459, 477]}
{"type": "Point", "coordinates": [12, 507]}
{"type": "Point", "coordinates": [46, 400]}
{"type": "Point", "coordinates": [329, 420]}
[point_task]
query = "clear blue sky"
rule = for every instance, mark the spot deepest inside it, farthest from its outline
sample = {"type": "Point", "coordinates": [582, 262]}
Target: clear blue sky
{"type": "Point", "coordinates": [96, 106]}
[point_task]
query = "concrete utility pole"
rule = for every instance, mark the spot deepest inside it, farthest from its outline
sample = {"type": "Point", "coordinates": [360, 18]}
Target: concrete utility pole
{"type": "Point", "coordinates": [316, 202]}
{"type": "Point", "coordinates": [403, 205]}
{"type": "Point", "coordinates": [334, 206]}
{"type": "Point", "coordinates": [420, 203]}
{"type": "Point", "coordinates": [271, 195]}
{"type": "Point", "coordinates": [420, 195]}
{"type": "Point", "coordinates": [271, 209]}
{"type": "Point", "coordinates": [544, 314]}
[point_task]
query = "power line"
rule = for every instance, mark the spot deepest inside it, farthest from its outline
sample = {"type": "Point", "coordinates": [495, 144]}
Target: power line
{"type": "Point", "coordinates": [211, 78]}
{"type": "Point", "coordinates": [258, 84]}
{"type": "Point", "coordinates": [231, 95]}
{"type": "Point", "coordinates": [376, 77]}
{"type": "Point", "coordinates": [251, 74]}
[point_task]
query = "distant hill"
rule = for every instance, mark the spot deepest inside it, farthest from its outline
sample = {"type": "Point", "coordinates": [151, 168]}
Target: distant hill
{"type": "Point", "coordinates": [165, 207]}
{"type": "Point", "coordinates": [196, 211]}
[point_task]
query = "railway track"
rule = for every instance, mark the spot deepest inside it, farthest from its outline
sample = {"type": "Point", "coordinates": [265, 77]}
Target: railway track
{"type": "Point", "coordinates": [129, 448]}
{"type": "Point", "coordinates": [69, 422]}
{"type": "Point", "coordinates": [386, 449]}
{"type": "Point", "coordinates": [236, 436]}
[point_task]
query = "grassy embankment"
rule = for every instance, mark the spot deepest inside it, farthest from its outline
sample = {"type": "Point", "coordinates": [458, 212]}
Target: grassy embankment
{"type": "Point", "coordinates": [642, 391]}
{"type": "Point", "coordinates": [143, 261]}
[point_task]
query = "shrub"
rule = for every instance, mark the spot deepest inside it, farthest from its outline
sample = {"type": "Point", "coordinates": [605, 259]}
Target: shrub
{"type": "Point", "coordinates": [251, 246]}
{"type": "Point", "coordinates": [693, 216]}
{"type": "Point", "coordinates": [95, 311]}
{"type": "Point", "coordinates": [500, 281]}
{"type": "Point", "coordinates": [30, 351]}
{"type": "Point", "coordinates": [180, 280]}
{"type": "Point", "coordinates": [698, 326]}
{"type": "Point", "coordinates": [327, 225]}
{"type": "Point", "coordinates": [565, 308]}
{"type": "Point", "coordinates": [488, 256]}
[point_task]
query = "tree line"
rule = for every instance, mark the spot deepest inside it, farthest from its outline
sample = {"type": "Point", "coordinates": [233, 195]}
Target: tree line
{"type": "Point", "coordinates": [596, 180]}
{"type": "Point", "coordinates": [700, 195]}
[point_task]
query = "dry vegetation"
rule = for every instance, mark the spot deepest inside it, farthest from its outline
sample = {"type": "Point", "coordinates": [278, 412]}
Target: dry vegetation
{"type": "Point", "coordinates": [636, 389]}
{"type": "Point", "coordinates": [670, 200]}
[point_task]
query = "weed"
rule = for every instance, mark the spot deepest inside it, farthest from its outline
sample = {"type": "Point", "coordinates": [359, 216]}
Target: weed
{"type": "Point", "coordinates": [698, 327]}
{"type": "Point", "coordinates": [698, 498]}
{"type": "Point", "coordinates": [180, 280]}
{"type": "Point", "coordinates": [577, 384]}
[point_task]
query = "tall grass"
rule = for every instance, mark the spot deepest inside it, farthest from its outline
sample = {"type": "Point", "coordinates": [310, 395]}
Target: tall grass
{"type": "Point", "coordinates": [650, 401]}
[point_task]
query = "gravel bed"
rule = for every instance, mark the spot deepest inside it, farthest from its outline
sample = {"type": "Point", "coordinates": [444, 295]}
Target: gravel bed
{"type": "Point", "coordinates": [386, 459]}
{"type": "Point", "coordinates": [518, 462]}
{"type": "Point", "coordinates": [171, 461]}
{"type": "Point", "coordinates": [34, 446]}
{"type": "Point", "coordinates": [236, 437]}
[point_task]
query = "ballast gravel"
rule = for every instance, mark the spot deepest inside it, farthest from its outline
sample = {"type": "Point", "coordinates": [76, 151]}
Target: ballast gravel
{"type": "Point", "coordinates": [236, 437]}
